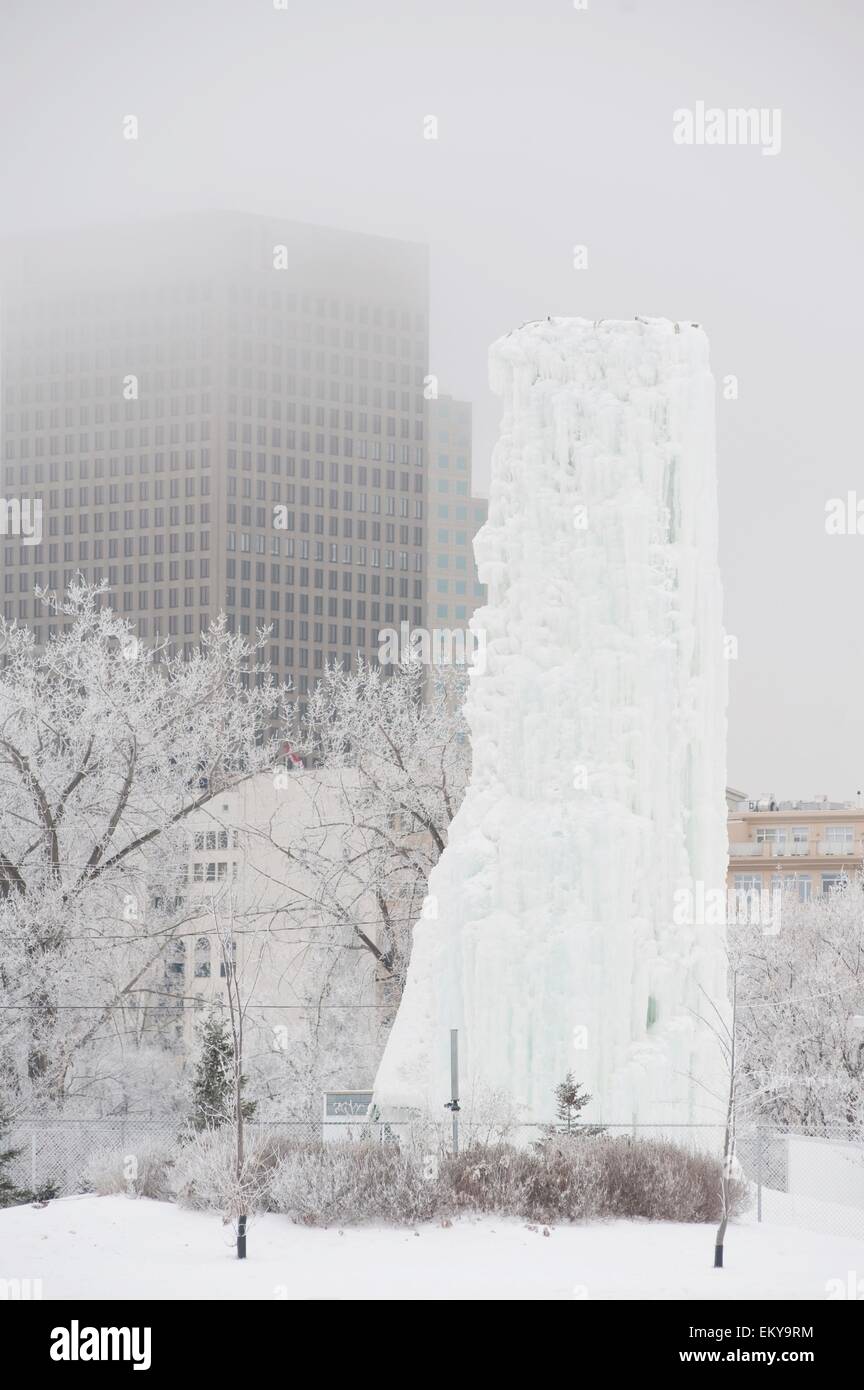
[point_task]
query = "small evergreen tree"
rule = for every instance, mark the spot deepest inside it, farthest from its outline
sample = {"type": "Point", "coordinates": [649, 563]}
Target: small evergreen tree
{"type": "Point", "coordinates": [10, 1195]}
{"type": "Point", "coordinates": [213, 1083]}
{"type": "Point", "coordinates": [570, 1101]}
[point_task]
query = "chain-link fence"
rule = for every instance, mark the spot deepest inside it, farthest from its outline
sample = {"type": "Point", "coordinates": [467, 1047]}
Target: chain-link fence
{"type": "Point", "coordinates": [809, 1180]}
{"type": "Point", "coordinates": [55, 1154]}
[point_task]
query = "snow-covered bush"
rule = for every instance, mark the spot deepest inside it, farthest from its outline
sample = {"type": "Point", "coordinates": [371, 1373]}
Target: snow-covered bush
{"type": "Point", "coordinates": [347, 1184]}
{"type": "Point", "coordinates": [144, 1173]}
{"type": "Point", "coordinates": [205, 1172]}
{"type": "Point", "coordinates": [327, 1184]}
{"type": "Point", "coordinates": [565, 1181]}
{"type": "Point", "coordinates": [552, 1184]}
{"type": "Point", "coordinates": [589, 1178]}
{"type": "Point", "coordinates": [661, 1181]}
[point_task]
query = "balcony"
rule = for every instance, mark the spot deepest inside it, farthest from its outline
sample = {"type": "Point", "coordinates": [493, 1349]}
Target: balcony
{"type": "Point", "coordinates": [769, 849]}
{"type": "Point", "coordinates": [797, 849]}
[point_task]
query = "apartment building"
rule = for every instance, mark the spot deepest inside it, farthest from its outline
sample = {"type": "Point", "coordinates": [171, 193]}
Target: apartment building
{"type": "Point", "coordinates": [453, 587]}
{"type": "Point", "coordinates": [266, 900]}
{"type": "Point", "coordinates": [808, 847]}
{"type": "Point", "coordinates": [219, 412]}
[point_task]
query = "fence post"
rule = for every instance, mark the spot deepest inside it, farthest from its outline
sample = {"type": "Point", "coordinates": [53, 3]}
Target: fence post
{"type": "Point", "coordinates": [759, 1140]}
{"type": "Point", "coordinates": [453, 1103]}
{"type": "Point", "coordinates": [33, 1184]}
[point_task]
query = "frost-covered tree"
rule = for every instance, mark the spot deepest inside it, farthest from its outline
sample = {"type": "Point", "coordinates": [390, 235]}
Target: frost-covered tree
{"type": "Point", "coordinates": [397, 741]}
{"type": "Point", "coordinates": [800, 1005]}
{"type": "Point", "coordinates": [106, 748]}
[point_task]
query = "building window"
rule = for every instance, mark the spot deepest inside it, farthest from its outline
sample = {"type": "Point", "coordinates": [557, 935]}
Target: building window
{"type": "Point", "coordinates": [748, 883]}
{"type": "Point", "coordinates": [177, 958]}
{"type": "Point", "coordinates": [838, 839]}
{"type": "Point", "coordinates": [800, 883]}
{"type": "Point", "coordinates": [833, 882]}
{"type": "Point", "coordinates": [770, 835]}
{"type": "Point", "coordinates": [202, 958]}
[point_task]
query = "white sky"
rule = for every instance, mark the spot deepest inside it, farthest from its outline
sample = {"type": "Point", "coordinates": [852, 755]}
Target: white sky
{"type": "Point", "coordinates": [555, 128]}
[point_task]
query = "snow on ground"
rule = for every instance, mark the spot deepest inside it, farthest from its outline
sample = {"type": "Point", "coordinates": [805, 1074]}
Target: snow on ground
{"type": "Point", "coordinates": [117, 1247]}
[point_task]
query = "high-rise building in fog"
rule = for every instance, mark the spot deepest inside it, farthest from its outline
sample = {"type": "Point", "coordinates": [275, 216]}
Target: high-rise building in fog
{"type": "Point", "coordinates": [220, 412]}
{"type": "Point", "coordinates": [453, 588]}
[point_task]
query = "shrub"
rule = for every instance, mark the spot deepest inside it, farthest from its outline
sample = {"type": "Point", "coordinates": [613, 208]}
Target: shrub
{"type": "Point", "coordinates": [205, 1176]}
{"type": "Point", "coordinates": [659, 1180]}
{"type": "Point", "coordinates": [324, 1184]}
{"type": "Point", "coordinates": [554, 1183]}
{"type": "Point", "coordinates": [596, 1177]}
{"type": "Point", "coordinates": [109, 1171]}
{"type": "Point", "coordinates": [319, 1184]}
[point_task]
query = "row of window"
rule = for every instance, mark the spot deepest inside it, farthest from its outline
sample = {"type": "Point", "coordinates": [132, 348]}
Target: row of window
{"type": "Point", "coordinates": [215, 871]}
{"type": "Point", "coordinates": [143, 574]}
{"type": "Point", "coordinates": [260, 605]}
{"type": "Point", "coordinates": [161, 516]}
{"type": "Point", "coordinates": [202, 958]}
{"type": "Point", "coordinates": [801, 834]}
{"type": "Point", "coordinates": [444, 613]}
{"type": "Point", "coordinates": [171, 294]}
{"type": "Point", "coordinates": [33, 356]}
{"type": "Point", "coordinates": [261, 383]}
{"type": "Point", "coordinates": [374, 477]}
{"type": "Point", "coordinates": [215, 839]}
{"type": "Point", "coordinates": [460, 513]}
{"type": "Point", "coordinates": [270, 397]}
{"type": "Point", "coordinates": [107, 400]}
{"type": "Point", "coordinates": [193, 431]}
{"type": "Point", "coordinates": [132, 545]}
{"type": "Point", "coordinates": [460, 562]}
{"type": "Point", "coordinates": [460, 587]}
{"type": "Point", "coordinates": [99, 495]}
{"type": "Point", "coordinates": [192, 569]}
{"type": "Point", "coordinates": [802, 884]}
{"type": "Point", "coordinates": [81, 523]}
{"type": "Point", "coordinates": [131, 601]}
{"type": "Point", "coordinates": [291, 576]}
{"type": "Point", "coordinates": [365, 556]}
{"type": "Point", "coordinates": [195, 428]}
{"type": "Point", "coordinates": [80, 468]}
{"type": "Point", "coordinates": [284, 519]}
{"type": "Point", "coordinates": [238, 432]}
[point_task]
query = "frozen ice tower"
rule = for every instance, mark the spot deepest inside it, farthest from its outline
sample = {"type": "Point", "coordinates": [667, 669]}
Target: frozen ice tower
{"type": "Point", "coordinates": [554, 937]}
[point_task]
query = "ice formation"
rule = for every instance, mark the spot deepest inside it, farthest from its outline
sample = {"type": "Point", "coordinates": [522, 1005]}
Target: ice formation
{"type": "Point", "coordinates": [550, 938]}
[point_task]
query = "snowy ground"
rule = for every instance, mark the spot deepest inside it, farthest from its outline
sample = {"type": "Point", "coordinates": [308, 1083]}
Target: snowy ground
{"type": "Point", "coordinates": [116, 1247]}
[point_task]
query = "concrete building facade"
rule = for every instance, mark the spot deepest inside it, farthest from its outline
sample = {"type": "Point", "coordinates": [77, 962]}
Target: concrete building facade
{"type": "Point", "coordinates": [807, 847]}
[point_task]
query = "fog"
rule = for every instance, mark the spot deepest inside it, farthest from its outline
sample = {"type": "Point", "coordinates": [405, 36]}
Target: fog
{"type": "Point", "coordinates": [554, 130]}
